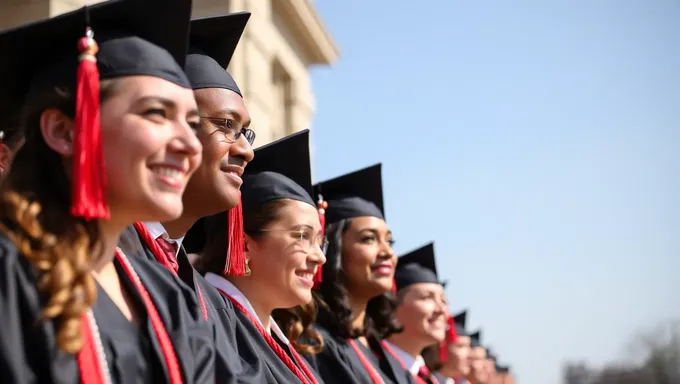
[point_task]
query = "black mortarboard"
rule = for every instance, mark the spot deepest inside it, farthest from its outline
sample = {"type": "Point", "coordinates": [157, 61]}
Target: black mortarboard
{"type": "Point", "coordinates": [355, 194]}
{"type": "Point", "coordinates": [502, 368]}
{"type": "Point", "coordinates": [213, 41]}
{"type": "Point", "coordinates": [133, 38]}
{"type": "Point", "coordinates": [476, 339]}
{"type": "Point", "coordinates": [280, 170]}
{"type": "Point", "coordinates": [459, 321]}
{"type": "Point", "coordinates": [417, 266]}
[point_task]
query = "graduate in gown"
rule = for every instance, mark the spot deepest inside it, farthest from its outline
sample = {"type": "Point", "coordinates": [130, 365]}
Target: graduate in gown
{"type": "Point", "coordinates": [101, 128]}
{"type": "Point", "coordinates": [284, 248]}
{"type": "Point", "coordinates": [422, 310]}
{"type": "Point", "coordinates": [355, 308]}
{"type": "Point", "coordinates": [449, 360]}
{"type": "Point", "coordinates": [478, 372]}
{"type": "Point", "coordinates": [214, 187]}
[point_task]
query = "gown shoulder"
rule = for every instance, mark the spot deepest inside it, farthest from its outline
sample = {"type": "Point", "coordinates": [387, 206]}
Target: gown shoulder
{"type": "Point", "coordinates": [337, 362]}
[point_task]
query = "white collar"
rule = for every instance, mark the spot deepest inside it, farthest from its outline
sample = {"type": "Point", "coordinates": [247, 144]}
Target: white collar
{"type": "Point", "coordinates": [413, 365]}
{"type": "Point", "coordinates": [157, 230]}
{"type": "Point", "coordinates": [230, 289]}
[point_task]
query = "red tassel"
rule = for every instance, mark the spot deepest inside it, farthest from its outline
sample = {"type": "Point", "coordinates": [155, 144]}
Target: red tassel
{"type": "Point", "coordinates": [394, 286]}
{"type": "Point", "coordinates": [89, 176]}
{"type": "Point", "coordinates": [322, 205]}
{"type": "Point", "coordinates": [451, 336]}
{"type": "Point", "coordinates": [236, 254]}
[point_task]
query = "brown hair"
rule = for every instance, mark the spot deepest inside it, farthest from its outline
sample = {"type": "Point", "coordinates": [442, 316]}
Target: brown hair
{"type": "Point", "coordinates": [296, 325]}
{"type": "Point", "coordinates": [431, 356]}
{"type": "Point", "coordinates": [295, 322]}
{"type": "Point", "coordinates": [34, 214]}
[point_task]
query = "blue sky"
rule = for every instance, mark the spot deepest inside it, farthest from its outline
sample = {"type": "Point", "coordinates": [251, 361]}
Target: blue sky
{"type": "Point", "coordinates": [536, 142]}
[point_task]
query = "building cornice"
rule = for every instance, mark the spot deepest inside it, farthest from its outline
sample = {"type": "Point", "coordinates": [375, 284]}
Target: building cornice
{"type": "Point", "coordinates": [310, 30]}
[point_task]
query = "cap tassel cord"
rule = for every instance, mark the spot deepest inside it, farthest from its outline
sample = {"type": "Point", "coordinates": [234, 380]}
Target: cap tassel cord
{"type": "Point", "coordinates": [89, 177]}
{"type": "Point", "coordinates": [322, 205]}
{"type": "Point", "coordinates": [451, 336]}
{"type": "Point", "coordinates": [236, 255]}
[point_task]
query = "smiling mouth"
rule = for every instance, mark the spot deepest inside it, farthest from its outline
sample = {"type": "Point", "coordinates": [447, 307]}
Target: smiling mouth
{"type": "Point", "coordinates": [170, 175]}
{"type": "Point", "coordinates": [309, 275]}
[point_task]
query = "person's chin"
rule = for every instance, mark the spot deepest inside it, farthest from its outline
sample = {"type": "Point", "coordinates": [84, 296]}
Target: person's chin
{"type": "Point", "coordinates": [382, 285]}
{"type": "Point", "coordinates": [164, 206]}
{"type": "Point", "coordinates": [230, 197]}
{"type": "Point", "coordinates": [436, 335]}
{"type": "Point", "coordinates": [304, 296]}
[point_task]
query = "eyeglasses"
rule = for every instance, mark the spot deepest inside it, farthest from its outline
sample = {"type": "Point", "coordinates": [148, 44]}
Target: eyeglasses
{"type": "Point", "coordinates": [305, 238]}
{"type": "Point", "coordinates": [231, 129]}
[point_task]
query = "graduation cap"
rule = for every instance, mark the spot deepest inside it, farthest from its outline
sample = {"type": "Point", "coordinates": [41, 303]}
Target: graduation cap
{"type": "Point", "coordinates": [355, 194]}
{"type": "Point", "coordinates": [213, 42]}
{"type": "Point", "coordinates": [133, 37]}
{"type": "Point", "coordinates": [502, 368]}
{"type": "Point", "coordinates": [476, 339]}
{"type": "Point", "coordinates": [280, 170]}
{"type": "Point", "coordinates": [459, 322]}
{"type": "Point", "coordinates": [417, 266]}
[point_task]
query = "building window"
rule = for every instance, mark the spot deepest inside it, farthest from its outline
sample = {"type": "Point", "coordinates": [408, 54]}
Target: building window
{"type": "Point", "coordinates": [281, 87]}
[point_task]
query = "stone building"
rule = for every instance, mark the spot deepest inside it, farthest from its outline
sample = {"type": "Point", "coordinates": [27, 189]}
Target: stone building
{"type": "Point", "coordinates": [283, 39]}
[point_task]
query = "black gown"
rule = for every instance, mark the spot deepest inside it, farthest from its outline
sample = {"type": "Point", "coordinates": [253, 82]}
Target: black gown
{"type": "Point", "coordinates": [253, 348]}
{"type": "Point", "coordinates": [390, 365]}
{"type": "Point", "coordinates": [339, 363]}
{"type": "Point", "coordinates": [230, 367]}
{"type": "Point", "coordinates": [28, 349]}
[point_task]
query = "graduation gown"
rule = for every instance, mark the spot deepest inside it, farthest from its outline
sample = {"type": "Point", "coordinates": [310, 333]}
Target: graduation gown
{"type": "Point", "coordinates": [28, 349]}
{"type": "Point", "coordinates": [229, 366]}
{"type": "Point", "coordinates": [339, 363]}
{"type": "Point", "coordinates": [390, 365]}
{"type": "Point", "coordinates": [254, 348]}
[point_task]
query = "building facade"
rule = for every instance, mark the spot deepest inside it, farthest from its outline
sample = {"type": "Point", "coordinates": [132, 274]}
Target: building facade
{"type": "Point", "coordinates": [283, 39]}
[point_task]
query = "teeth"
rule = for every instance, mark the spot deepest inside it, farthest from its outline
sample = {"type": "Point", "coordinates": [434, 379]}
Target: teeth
{"type": "Point", "coordinates": [168, 172]}
{"type": "Point", "coordinates": [306, 275]}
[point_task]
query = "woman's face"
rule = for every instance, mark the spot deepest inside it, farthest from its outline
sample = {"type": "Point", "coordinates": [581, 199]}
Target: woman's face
{"type": "Point", "coordinates": [150, 147]}
{"type": "Point", "coordinates": [284, 259]}
{"type": "Point", "coordinates": [367, 257]}
{"type": "Point", "coordinates": [459, 355]}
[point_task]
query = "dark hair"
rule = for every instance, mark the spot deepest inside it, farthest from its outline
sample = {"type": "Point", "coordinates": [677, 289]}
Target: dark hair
{"type": "Point", "coordinates": [34, 214]}
{"type": "Point", "coordinates": [296, 325]}
{"type": "Point", "coordinates": [333, 301]}
{"type": "Point", "coordinates": [431, 356]}
{"type": "Point", "coordinates": [295, 322]}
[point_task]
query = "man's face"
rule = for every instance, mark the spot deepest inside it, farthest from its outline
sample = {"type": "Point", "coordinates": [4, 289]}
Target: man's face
{"type": "Point", "coordinates": [215, 186]}
{"type": "Point", "coordinates": [423, 312]}
{"type": "Point", "coordinates": [478, 372]}
{"type": "Point", "coordinates": [459, 351]}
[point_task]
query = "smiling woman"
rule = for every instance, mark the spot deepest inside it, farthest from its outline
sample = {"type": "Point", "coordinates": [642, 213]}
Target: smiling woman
{"type": "Point", "coordinates": [284, 248]}
{"type": "Point", "coordinates": [108, 141]}
{"type": "Point", "coordinates": [355, 303]}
